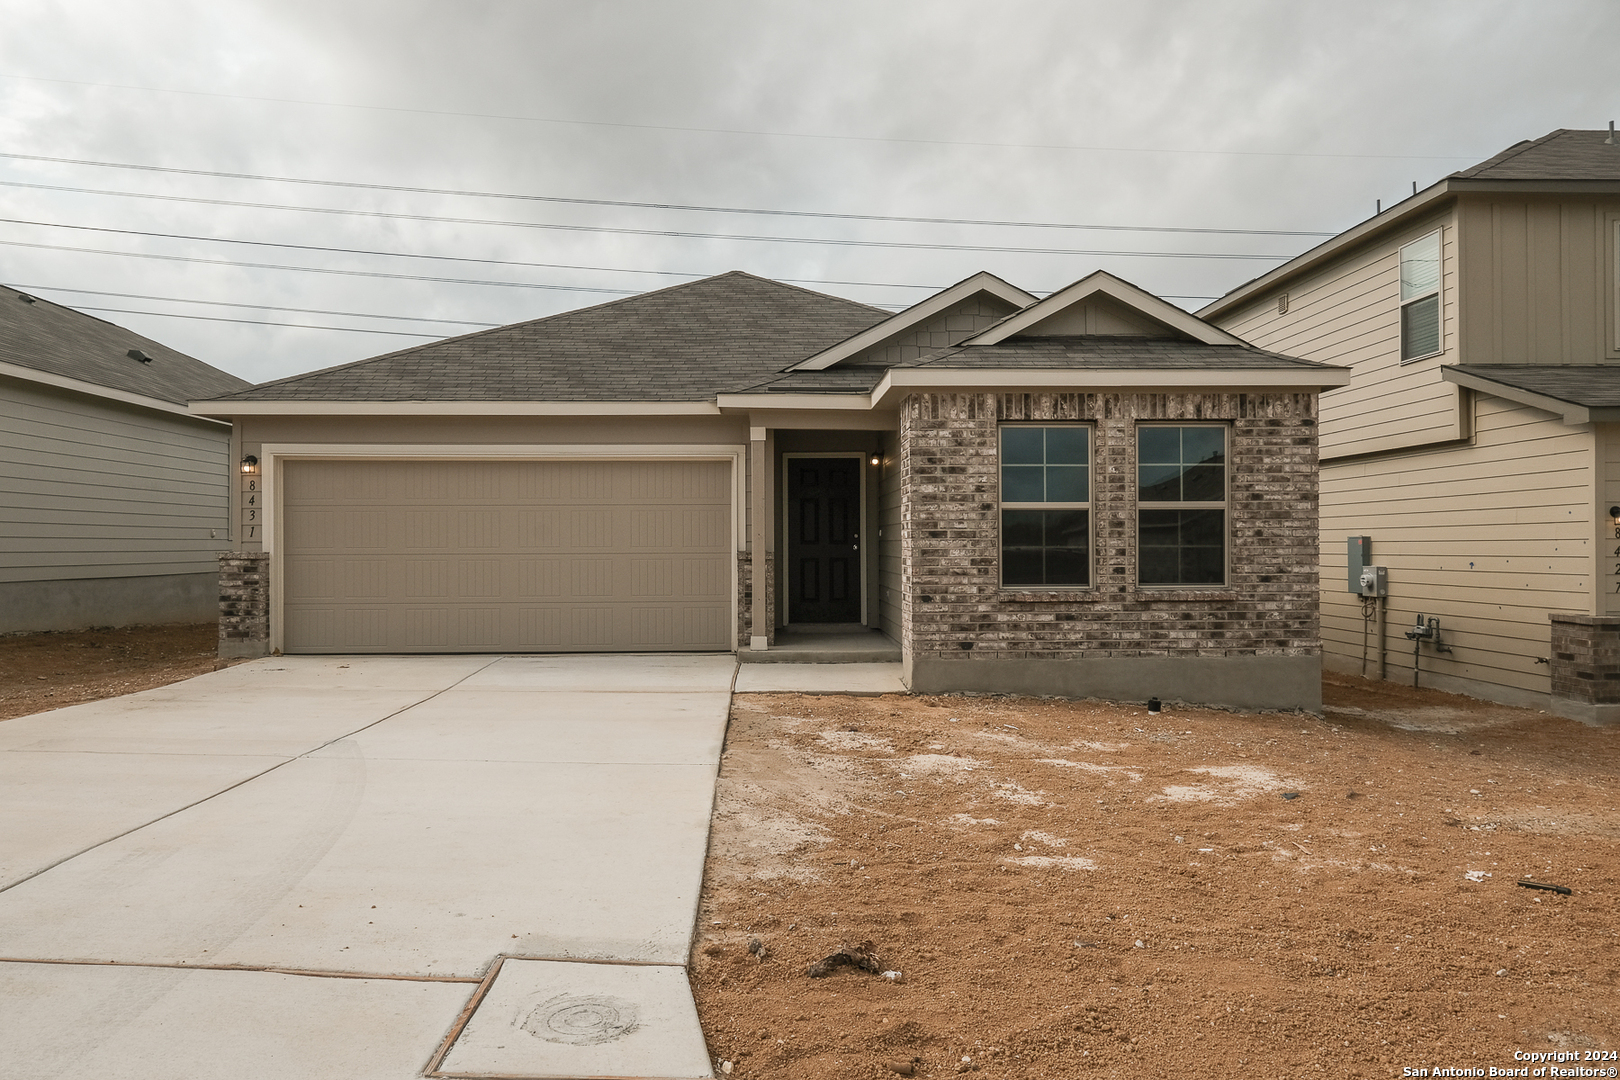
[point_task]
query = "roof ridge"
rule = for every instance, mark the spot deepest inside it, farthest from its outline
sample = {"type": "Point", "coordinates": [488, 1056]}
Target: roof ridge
{"type": "Point", "coordinates": [1504, 156]}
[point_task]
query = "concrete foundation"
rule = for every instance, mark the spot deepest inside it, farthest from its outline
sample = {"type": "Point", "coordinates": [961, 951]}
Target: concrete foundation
{"type": "Point", "coordinates": [1235, 682]}
{"type": "Point", "coordinates": [80, 603]}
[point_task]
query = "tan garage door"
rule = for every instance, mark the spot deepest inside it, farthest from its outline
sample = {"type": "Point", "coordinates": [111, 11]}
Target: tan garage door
{"type": "Point", "coordinates": [506, 556]}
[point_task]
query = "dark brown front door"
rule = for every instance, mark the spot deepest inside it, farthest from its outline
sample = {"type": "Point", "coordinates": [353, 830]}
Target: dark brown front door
{"type": "Point", "coordinates": [824, 542]}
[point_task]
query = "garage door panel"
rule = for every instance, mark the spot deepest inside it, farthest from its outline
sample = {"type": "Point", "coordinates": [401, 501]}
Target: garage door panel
{"type": "Point", "coordinates": [458, 556]}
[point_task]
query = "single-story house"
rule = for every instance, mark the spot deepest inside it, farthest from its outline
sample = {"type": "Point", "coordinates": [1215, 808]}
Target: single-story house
{"type": "Point", "coordinates": [1093, 494]}
{"type": "Point", "coordinates": [115, 497]}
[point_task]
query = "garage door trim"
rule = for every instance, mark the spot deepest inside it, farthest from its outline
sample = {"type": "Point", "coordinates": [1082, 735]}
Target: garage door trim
{"type": "Point", "coordinates": [271, 455]}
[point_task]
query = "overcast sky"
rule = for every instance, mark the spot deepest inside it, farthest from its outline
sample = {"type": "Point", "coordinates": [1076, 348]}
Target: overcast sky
{"type": "Point", "coordinates": [1287, 118]}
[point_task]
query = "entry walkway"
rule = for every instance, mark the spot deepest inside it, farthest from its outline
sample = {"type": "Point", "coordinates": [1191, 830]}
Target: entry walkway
{"type": "Point", "coordinates": [314, 867]}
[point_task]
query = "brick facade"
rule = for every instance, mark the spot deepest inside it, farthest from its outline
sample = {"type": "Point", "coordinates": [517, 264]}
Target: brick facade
{"type": "Point", "coordinates": [955, 609]}
{"type": "Point", "coordinates": [1586, 667]}
{"type": "Point", "coordinates": [244, 604]}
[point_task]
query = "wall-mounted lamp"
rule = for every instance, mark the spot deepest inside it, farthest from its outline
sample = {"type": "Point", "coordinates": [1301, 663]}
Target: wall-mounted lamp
{"type": "Point", "coordinates": [1614, 514]}
{"type": "Point", "coordinates": [876, 460]}
{"type": "Point", "coordinates": [250, 465]}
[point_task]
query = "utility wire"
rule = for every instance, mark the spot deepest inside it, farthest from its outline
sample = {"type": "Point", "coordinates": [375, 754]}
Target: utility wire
{"type": "Point", "coordinates": [749, 131]}
{"type": "Point", "coordinates": [256, 307]}
{"type": "Point", "coordinates": [262, 322]}
{"type": "Point", "coordinates": [681, 234]}
{"type": "Point", "coordinates": [482, 261]}
{"type": "Point", "coordinates": [356, 185]}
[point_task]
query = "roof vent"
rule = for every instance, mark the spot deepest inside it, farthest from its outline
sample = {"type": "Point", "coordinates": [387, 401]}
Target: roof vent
{"type": "Point", "coordinates": [136, 354]}
{"type": "Point", "coordinates": [1611, 140]}
{"type": "Point", "coordinates": [25, 298]}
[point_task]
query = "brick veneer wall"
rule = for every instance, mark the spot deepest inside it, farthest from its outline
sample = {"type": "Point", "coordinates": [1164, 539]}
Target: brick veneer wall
{"type": "Point", "coordinates": [244, 603]}
{"type": "Point", "coordinates": [1586, 663]}
{"type": "Point", "coordinates": [955, 609]}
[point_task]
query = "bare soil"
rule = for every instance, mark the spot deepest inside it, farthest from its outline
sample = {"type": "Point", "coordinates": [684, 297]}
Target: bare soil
{"type": "Point", "coordinates": [1082, 888]}
{"type": "Point", "coordinates": [1079, 888]}
{"type": "Point", "coordinates": [51, 670]}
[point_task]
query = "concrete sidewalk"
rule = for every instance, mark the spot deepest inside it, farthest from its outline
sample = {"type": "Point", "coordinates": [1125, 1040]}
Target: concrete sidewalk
{"type": "Point", "coordinates": [308, 867]}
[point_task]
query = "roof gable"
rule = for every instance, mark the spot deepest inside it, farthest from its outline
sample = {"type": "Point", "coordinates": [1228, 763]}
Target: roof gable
{"type": "Point", "coordinates": [954, 310]}
{"type": "Point", "coordinates": [1101, 304]}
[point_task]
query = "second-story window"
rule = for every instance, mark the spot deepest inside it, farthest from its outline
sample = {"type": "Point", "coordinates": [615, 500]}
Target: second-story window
{"type": "Point", "coordinates": [1420, 298]}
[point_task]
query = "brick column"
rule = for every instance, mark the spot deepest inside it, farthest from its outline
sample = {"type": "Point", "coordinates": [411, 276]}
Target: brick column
{"type": "Point", "coordinates": [1586, 667]}
{"type": "Point", "coordinates": [244, 604]}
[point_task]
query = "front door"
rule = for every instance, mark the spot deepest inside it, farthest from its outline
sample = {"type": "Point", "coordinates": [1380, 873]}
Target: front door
{"type": "Point", "coordinates": [824, 542]}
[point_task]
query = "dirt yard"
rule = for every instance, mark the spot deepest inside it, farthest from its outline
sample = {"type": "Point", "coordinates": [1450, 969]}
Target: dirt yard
{"type": "Point", "coordinates": [1079, 888]}
{"type": "Point", "coordinates": [47, 671]}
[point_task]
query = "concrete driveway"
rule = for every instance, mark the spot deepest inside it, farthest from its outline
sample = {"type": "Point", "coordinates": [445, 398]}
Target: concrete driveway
{"type": "Point", "coordinates": [313, 867]}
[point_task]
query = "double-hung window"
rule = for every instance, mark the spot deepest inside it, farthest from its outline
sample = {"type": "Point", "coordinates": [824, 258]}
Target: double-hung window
{"type": "Point", "coordinates": [1420, 298]}
{"type": "Point", "coordinates": [1181, 495]}
{"type": "Point", "coordinates": [1045, 505]}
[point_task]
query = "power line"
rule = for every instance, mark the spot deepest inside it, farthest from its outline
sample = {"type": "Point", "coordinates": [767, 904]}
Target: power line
{"type": "Point", "coordinates": [674, 233]}
{"type": "Point", "coordinates": [749, 131]}
{"type": "Point", "coordinates": [261, 322]}
{"type": "Point", "coordinates": [356, 185]}
{"type": "Point", "coordinates": [257, 307]}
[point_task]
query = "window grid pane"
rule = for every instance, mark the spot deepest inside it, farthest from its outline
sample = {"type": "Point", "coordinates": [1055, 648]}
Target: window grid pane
{"type": "Point", "coordinates": [1051, 545]}
{"type": "Point", "coordinates": [1181, 545]}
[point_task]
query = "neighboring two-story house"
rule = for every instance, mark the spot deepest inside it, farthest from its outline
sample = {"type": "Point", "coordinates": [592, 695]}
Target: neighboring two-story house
{"type": "Point", "coordinates": [1478, 444]}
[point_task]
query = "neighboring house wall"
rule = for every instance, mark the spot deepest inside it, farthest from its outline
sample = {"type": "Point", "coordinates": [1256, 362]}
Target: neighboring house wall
{"type": "Point", "coordinates": [1348, 312]}
{"type": "Point", "coordinates": [1607, 581]}
{"type": "Point", "coordinates": [111, 514]}
{"type": "Point", "coordinates": [1488, 537]}
{"type": "Point", "coordinates": [1252, 642]}
{"type": "Point", "coordinates": [1538, 285]}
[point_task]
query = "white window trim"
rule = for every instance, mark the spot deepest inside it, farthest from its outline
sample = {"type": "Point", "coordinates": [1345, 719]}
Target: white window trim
{"type": "Point", "coordinates": [1438, 293]}
{"type": "Point", "coordinates": [1091, 518]}
{"type": "Point", "coordinates": [1225, 506]}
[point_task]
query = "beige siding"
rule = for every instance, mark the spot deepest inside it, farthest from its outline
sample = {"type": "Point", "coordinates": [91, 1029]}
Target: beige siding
{"type": "Point", "coordinates": [889, 536]}
{"type": "Point", "coordinates": [1348, 313]}
{"type": "Point", "coordinates": [1608, 530]}
{"type": "Point", "coordinates": [943, 330]}
{"type": "Point", "coordinates": [1538, 280]}
{"type": "Point", "coordinates": [92, 489]}
{"type": "Point", "coordinates": [1487, 538]}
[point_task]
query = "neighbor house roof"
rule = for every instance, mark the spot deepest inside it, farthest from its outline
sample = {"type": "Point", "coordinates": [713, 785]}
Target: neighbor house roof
{"type": "Point", "coordinates": [84, 352]}
{"type": "Point", "coordinates": [1559, 155]}
{"type": "Point", "coordinates": [1583, 393]}
{"type": "Point", "coordinates": [684, 343]}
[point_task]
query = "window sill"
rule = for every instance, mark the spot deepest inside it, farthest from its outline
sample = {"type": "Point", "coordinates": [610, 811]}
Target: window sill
{"type": "Point", "coordinates": [1094, 595]}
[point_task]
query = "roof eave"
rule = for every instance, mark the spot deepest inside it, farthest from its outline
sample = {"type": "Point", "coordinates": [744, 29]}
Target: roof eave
{"type": "Point", "coordinates": [81, 386]}
{"type": "Point", "coordinates": [1573, 413]}
{"type": "Point", "coordinates": [902, 381]}
{"type": "Point", "coordinates": [228, 409]}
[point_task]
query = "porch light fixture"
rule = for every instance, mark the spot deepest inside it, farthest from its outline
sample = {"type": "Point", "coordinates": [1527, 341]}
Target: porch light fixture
{"type": "Point", "coordinates": [250, 465]}
{"type": "Point", "coordinates": [876, 460]}
{"type": "Point", "coordinates": [1614, 514]}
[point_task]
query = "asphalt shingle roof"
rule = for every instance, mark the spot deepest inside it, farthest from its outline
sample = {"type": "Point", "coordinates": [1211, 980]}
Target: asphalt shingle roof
{"type": "Point", "coordinates": [50, 338]}
{"type": "Point", "coordinates": [1592, 386]}
{"type": "Point", "coordinates": [685, 343]}
{"type": "Point", "coordinates": [1108, 354]}
{"type": "Point", "coordinates": [1559, 155]}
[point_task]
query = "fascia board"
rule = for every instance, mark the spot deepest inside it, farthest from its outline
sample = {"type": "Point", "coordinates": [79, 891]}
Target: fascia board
{"type": "Point", "coordinates": [80, 386]}
{"type": "Point", "coordinates": [911, 316]}
{"type": "Point", "coordinates": [1572, 413]}
{"type": "Point", "coordinates": [454, 408]}
{"type": "Point", "coordinates": [911, 380]}
{"type": "Point", "coordinates": [820, 402]}
{"type": "Point", "coordinates": [1116, 289]}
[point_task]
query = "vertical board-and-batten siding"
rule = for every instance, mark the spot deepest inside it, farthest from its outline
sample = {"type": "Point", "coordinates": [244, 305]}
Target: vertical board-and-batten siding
{"type": "Point", "coordinates": [92, 489]}
{"type": "Point", "coordinates": [1539, 280]}
{"type": "Point", "coordinates": [955, 324]}
{"type": "Point", "coordinates": [1348, 313]}
{"type": "Point", "coordinates": [1488, 538]}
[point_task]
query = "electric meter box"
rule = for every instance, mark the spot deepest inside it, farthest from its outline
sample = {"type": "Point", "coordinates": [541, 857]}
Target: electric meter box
{"type": "Point", "coordinates": [1360, 551]}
